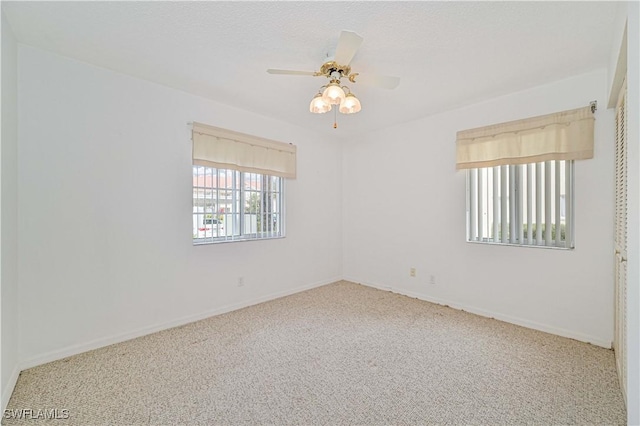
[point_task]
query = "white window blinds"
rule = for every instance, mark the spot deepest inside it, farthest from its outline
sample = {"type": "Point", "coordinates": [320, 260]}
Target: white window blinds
{"type": "Point", "coordinates": [566, 135]}
{"type": "Point", "coordinates": [226, 149]}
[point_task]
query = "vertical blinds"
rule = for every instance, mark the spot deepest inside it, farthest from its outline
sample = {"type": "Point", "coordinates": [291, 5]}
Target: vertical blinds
{"type": "Point", "coordinates": [525, 204]}
{"type": "Point", "coordinates": [226, 149]}
{"type": "Point", "coordinates": [566, 135]}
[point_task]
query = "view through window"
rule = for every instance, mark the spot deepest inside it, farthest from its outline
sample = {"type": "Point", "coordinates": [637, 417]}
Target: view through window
{"type": "Point", "coordinates": [229, 205]}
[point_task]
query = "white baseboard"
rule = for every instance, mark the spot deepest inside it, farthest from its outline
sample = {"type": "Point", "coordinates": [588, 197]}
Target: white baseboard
{"type": "Point", "coordinates": [8, 390]}
{"type": "Point", "coordinates": [122, 337]}
{"type": "Point", "coordinates": [490, 314]}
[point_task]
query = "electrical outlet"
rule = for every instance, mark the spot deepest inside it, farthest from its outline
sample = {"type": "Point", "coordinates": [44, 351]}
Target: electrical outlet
{"type": "Point", "coordinates": [240, 281]}
{"type": "Point", "coordinates": [432, 280]}
{"type": "Point", "coordinates": [412, 272]}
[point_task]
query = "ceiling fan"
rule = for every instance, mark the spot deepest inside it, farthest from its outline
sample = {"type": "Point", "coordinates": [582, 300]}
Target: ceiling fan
{"type": "Point", "coordinates": [337, 68]}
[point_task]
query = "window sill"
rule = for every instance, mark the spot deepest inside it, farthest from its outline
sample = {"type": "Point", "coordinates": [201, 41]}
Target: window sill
{"type": "Point", "coordinates": [235, 240]}
{"type": "Point", "coordinates": [491, 243]}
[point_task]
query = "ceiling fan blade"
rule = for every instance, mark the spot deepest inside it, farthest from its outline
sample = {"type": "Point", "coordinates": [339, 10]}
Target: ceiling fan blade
{"type": "Point", "coordinates": [348, 45]}
{"type": "Point", "coordinates": [290, 72]}
{"type": "Point", "coordinates": [382, 81]}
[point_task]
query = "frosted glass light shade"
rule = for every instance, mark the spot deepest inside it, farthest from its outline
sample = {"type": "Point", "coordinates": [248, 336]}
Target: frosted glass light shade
{"type": "Point", "coordinates": [333, 94]}
{"type": "Point", "coordinates": [350, 105]}
{"type": "Point", "coordinates": [319, 105]}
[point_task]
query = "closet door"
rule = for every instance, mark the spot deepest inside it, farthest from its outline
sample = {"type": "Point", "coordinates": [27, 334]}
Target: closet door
{"type": "Point", "coordinates": [620, 244]}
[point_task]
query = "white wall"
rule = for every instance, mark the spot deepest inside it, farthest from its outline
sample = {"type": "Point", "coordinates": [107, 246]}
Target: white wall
{"type": "Point", "coordinates": [9, 215]}
{"type": "Point", "coordinates": [616, 71]}
{"type": "Point", "coordinates": [105, 210]}
{"type": "Point", "coordinates": [409, 170]}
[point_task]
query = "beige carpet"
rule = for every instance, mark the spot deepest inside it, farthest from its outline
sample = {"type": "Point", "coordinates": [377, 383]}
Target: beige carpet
{"type": "Point", "coordinates": [338, 354]}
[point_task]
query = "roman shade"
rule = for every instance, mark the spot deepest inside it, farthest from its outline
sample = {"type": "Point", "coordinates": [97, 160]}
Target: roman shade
{"type": "Point", "coordinates": [566, 135]}
{"type": "Point", "coordinates": [226, 149]}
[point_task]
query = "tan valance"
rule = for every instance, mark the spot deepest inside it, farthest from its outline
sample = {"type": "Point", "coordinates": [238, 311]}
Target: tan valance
{"type": "Point", "coordinates": [226, 149]}
{"type": "Point", "coordinates": [566, 135]}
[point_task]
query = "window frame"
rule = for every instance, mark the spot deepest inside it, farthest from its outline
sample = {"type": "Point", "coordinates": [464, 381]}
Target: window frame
{"type": "Point", "coordinates": [517, 209]}
{"type": "Point", "coordinates": [238, 212]}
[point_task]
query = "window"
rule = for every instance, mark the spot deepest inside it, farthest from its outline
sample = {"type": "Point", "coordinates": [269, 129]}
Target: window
{"type": "Point", "coordinates": [229, 205]}
{"type": "Point", "coordinates": [520, 177]}
{"type": "Point", "coordinates": [238, 185]}
{"type": "Point", "coordinates": [525, 204]}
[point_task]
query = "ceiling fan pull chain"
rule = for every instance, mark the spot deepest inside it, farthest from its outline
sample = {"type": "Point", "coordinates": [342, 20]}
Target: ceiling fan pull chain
{"type": "Point", "coordinates": [335, 119]}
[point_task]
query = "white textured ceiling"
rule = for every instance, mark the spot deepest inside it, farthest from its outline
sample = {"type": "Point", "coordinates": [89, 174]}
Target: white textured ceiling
{"type": "Point", "coordinates": [446, 53]}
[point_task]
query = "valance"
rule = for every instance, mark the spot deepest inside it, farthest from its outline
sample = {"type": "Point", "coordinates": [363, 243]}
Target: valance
{"type": "Point", "coordinates": [566, 135]}
{"type": "Point", "coordinates": [226, 149]}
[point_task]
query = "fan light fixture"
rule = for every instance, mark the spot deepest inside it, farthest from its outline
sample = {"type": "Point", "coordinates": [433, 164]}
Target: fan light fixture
{"type": "Point", "coordinates": [335, 94]}
{"type": "Point", "coordinates": [319, 105]}
{"type": "Point", "coordinates": [350, 105]}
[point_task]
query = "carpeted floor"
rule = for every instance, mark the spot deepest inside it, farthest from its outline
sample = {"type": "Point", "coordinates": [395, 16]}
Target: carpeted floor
{"type": "Point", "coordinates": [338, 354]}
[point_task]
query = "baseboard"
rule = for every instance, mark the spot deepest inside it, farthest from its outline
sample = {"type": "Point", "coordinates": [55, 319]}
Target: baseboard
{"type": "Point", "coordinates": [102, 342]}
{"type": "Point", "coordinates": [119, 338]}
{"type": "Point", "coordinates": [490, 314]}
{"type": "Point", "coordinates": [621, 380]}
{"type": "Point", "coordinates": [8, 390]}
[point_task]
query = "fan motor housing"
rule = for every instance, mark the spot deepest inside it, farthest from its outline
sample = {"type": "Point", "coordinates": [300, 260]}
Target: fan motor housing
{"type": "Point", "coordinates": [332, 66]}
